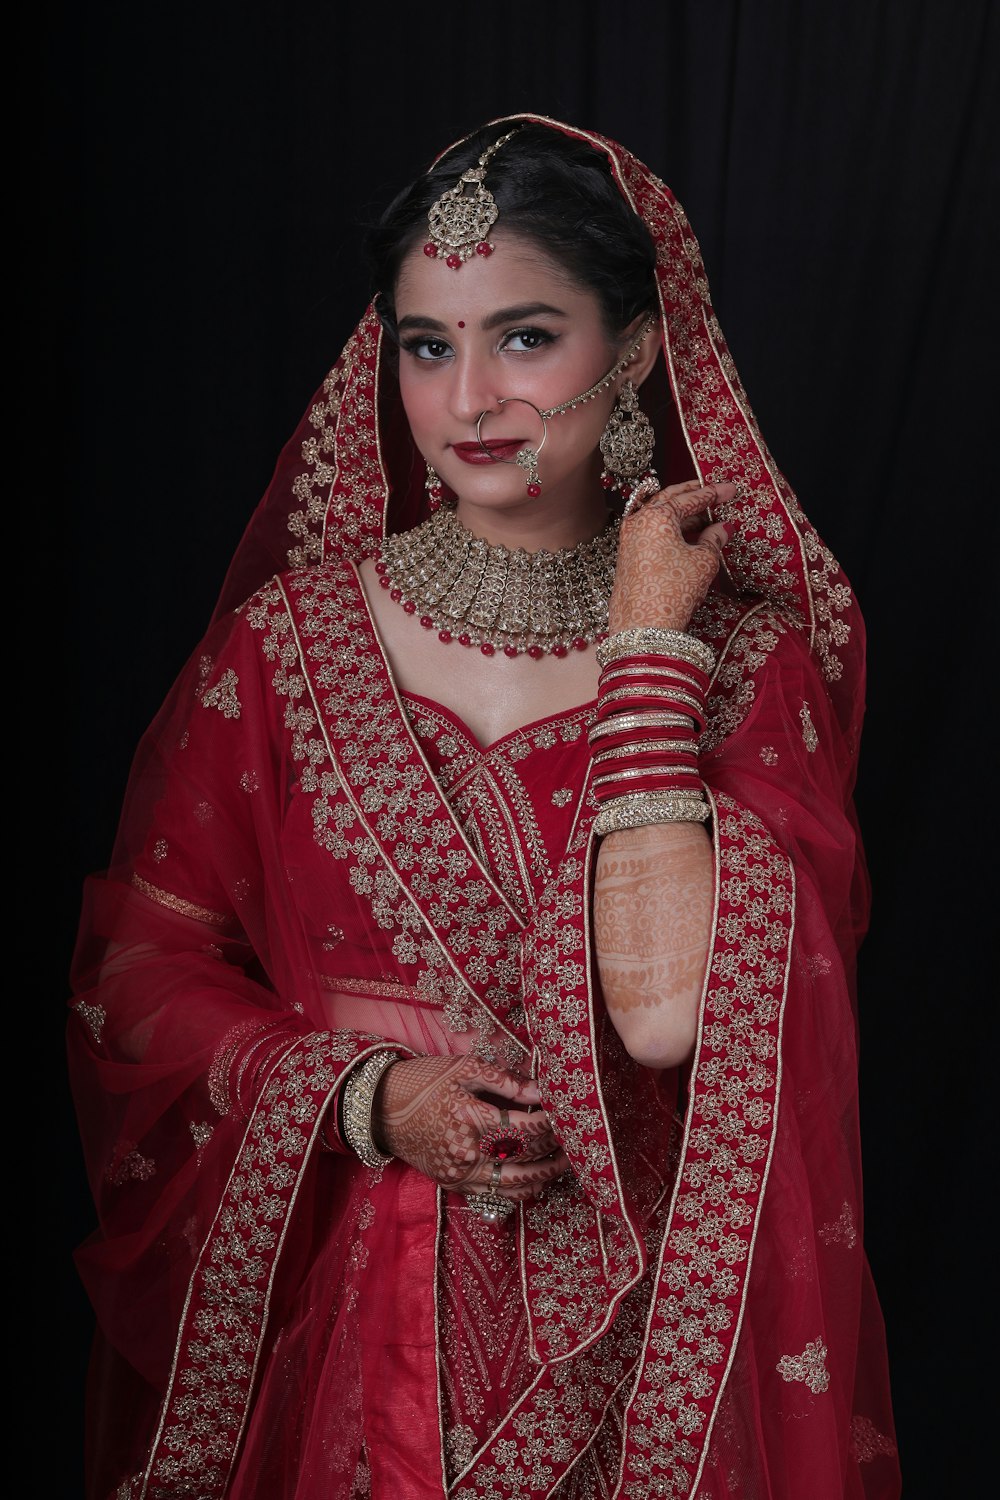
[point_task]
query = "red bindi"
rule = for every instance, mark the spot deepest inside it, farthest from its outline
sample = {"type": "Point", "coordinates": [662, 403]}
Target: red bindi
{"type": "Point", "coordinates": [460, 323]}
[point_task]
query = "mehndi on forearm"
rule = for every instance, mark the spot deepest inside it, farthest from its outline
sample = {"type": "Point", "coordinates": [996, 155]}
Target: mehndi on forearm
{"type": "Point", "coordinates": [653, 903]}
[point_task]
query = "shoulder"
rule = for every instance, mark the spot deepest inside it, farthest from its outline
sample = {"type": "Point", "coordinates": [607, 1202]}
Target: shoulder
{"type": "Point", "coordinates": [330, 591]}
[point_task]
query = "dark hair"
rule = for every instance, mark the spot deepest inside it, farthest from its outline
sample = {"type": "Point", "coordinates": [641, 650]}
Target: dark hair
{"type": "Point", "coordinates": [549, 188]}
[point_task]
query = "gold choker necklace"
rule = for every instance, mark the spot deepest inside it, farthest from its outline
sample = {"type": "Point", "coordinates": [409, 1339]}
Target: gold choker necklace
{"type": "Point", "coordinates": [493, 597]}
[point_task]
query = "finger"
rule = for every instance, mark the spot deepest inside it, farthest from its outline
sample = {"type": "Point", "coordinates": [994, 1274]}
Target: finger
{"type": "Point", "coordinates": [531, 1180]}
{"type": "Point", "coordinates": [724, 493]}
{"type": "Point", "coordinates": [714, 537]}
{"type": "Point", "coordinates": [688, 502]}
{"type": "Point", "coordinates": [483, 1078]}
{"type": "Point", "coordinates": [519, 1180]}
{"type": "Point", "coordinates": [534, 1126]}
{"type": "Point", "coordinates": [686, 487]}
{"type": "Point", "coordinates": [694, 502]}
{"type": "Point", "coordinates": [516, 1174]}
{"type": "Point", "coordinates": [517, 1136]}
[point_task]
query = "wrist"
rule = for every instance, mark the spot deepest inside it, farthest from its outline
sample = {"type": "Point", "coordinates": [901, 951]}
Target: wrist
{"type": "Point", "coordinates": [650, 711]}
{"type": "Point", "coordinates": [357, 1111]}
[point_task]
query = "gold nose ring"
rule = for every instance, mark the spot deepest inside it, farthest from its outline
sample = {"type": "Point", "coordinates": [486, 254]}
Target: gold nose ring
{"type": "Point", "coordinates": [526, 458]}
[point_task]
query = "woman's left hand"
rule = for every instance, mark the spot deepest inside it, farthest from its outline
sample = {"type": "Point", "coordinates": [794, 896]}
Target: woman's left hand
{"type": "Point", "coordinates": [661, 577]}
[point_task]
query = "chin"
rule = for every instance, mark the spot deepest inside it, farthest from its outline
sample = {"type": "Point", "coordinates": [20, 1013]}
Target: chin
{"type": "Point", "coordinates": [495, 496]}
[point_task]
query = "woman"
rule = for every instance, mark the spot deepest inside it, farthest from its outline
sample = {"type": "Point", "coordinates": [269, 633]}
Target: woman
{"type": "Point", "coordinates": [464, 1029]}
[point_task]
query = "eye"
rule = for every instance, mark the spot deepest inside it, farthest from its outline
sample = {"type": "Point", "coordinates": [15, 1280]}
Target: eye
{"type": "Point", "coordinates": [525, 340]}
{"type": "Point", "coordinates": [427, 348]}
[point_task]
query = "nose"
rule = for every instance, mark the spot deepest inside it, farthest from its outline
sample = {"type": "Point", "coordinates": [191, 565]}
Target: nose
{"type": "Point", "coordinates": [473, 389]}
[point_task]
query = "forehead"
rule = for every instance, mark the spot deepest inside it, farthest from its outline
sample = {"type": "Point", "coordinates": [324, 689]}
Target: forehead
{"type": "Point", "coordinates": [518, 272]}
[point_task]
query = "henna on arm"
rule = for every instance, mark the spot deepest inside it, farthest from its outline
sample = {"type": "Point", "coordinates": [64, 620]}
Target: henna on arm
{"type": "Point", "coordinates": [654, 886]}
{"type": "Point", "coordinates": [653, 902]}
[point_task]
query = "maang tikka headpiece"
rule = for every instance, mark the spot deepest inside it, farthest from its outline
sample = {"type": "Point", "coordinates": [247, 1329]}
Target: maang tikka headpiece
{"type": "Point", "coordinates": [461, 221]}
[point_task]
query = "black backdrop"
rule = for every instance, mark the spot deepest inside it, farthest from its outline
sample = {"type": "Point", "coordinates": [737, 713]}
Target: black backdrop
{"type": "Point", "coordinates": [199, 179]}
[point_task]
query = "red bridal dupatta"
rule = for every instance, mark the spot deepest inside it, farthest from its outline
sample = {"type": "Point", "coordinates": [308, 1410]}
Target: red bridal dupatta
{"type": "Point", "coordinates": [292, 887]}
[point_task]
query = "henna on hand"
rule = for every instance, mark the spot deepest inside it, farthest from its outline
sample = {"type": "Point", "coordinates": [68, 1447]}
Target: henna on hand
{"type": "Point", "coordinates": [661, 577]}
{"type": "Point", "coordinates": [431, 1113]}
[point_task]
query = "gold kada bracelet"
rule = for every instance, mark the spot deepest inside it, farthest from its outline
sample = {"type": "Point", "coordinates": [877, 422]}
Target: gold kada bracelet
{"type": "Point", "coordinates": [647, 809]}
{"type": "Point", "coordinates": [359, 1095]}
{"type": "Point", "coordinates": [651, 640]}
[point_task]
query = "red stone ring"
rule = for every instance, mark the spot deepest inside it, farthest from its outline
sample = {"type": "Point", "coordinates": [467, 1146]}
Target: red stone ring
{"type": "Point", "coordinates": [504, 1140]}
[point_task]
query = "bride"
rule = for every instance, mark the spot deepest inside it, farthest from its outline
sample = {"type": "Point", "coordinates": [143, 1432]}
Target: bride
{"type": "Point", "coordinates": [463, 1032]}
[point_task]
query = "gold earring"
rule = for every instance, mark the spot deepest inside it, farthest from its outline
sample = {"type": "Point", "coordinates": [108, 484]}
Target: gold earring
{"type": "Point", "coordinates": [627, 441]}
{"type": "Point", "coordinates": [435, 490]}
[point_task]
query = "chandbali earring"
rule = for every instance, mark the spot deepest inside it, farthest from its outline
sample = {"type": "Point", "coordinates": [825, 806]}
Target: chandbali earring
{"type": "Point", "coordinates": [526, 458]}
{"type": "Point", "coordinates": [626, 446]}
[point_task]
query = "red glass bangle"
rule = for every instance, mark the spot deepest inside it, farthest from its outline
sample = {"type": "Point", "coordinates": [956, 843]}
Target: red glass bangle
{"type": "Point", "coordinates": [657, 664]}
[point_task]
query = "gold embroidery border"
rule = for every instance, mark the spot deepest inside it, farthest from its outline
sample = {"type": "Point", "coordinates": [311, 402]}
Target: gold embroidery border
{"type": "Point", "coordinates": [374, 651]}
{"type": "Point", "coordinates": [178, 904]}
{"type": "Point", "coordinates": [312, 1069]}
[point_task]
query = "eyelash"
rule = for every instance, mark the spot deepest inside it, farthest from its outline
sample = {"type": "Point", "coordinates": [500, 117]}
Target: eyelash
{"type": "Point", "coordinates": [423, 341]}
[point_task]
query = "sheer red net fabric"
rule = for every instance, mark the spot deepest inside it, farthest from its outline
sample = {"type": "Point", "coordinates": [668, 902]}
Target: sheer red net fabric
{"type": "Point", "coordinates": [291, 889]}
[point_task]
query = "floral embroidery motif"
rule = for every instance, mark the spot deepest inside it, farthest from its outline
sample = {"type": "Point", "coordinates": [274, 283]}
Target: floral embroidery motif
{"type": "Point", "coordinates": [809, 1367]}
{"type": "Point", "coordinates": [842, 1231]}
{"type": "Point", "coordinates": [130, 1166]}
{"type": "Point", "coordinates": [809, 736]}
{"type": "Point", "coordinates": [93, 1015]}
{"type": "Point", "coordinates": [249, 781]}
{"type": "Point", "coordinates": [201, 1134]}
{"type": "Point", "coordinates": [160, 851]}
{"type": "Point", "coordinates": [747, 640]}
{"type": "Point", "coordinates": [818, 965]}
{"type": "Point", "coordinates": [769, 755]}
{"type": "Point", "coordinates": [223, 695]}
{"type": "Point", "coordinates": [867, 1442]}
{"type": "Point", "coordinates": [562, 796]}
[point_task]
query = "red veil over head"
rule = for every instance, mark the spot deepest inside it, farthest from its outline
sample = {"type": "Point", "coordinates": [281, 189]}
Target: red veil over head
{"type": "Point", "coordinates": [290, 888]}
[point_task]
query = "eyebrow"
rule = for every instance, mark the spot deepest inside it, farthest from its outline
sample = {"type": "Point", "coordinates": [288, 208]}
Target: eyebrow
{"type": "Point", "coordinates": [495, 320]}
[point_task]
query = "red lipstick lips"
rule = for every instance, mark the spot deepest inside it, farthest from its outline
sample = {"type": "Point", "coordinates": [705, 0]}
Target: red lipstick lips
{"type": "Point", "coordinates": [497, 451]}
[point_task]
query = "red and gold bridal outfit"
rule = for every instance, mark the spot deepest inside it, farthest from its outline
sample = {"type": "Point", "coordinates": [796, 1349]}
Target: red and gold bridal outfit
{"type": "Point", "coordinates": [310, 865]}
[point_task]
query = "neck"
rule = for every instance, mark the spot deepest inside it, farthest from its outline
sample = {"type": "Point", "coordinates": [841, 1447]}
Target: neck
{"type": "Point", "coordinates": [541, 524]}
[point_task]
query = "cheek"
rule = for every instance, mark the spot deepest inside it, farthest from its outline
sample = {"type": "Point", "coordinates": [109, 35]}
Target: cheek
{"type": "Point", "coordinates": [576, 434]}
{"type": "Point", "coordinates": [418, 403]}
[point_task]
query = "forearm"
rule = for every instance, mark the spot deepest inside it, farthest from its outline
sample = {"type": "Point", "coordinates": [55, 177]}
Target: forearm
{"type": "Point", "coordinates": [653, 903]}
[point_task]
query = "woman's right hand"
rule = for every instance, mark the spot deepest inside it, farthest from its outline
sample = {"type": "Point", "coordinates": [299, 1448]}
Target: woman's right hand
{"type": "Point", "coordinates": [428, 1111]}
